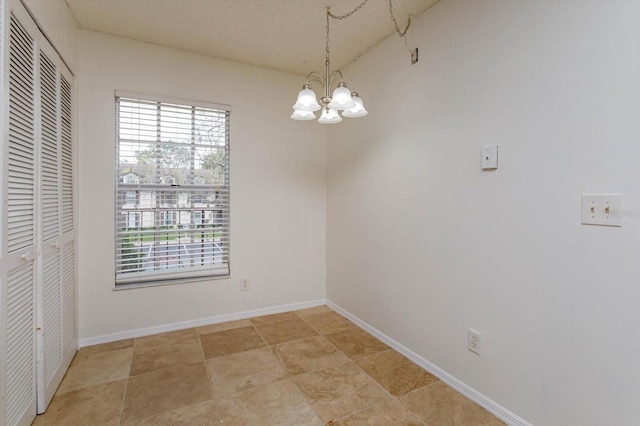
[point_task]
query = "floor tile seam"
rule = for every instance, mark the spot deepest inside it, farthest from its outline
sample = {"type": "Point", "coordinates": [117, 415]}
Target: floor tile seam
{"type": "Point", "coordinates": [353, 412]}
{"type": "Point", "coordinates": [335, 346]}
{"type": "Point", "coordinates": [349, 361]}
{"type": "Point", "coordinates": [209, 378]}
{"type": "Point", "coordinates": [274, 321]}
{"type": "Point", "coordinates": [124, 398]}
{"type": "Point", "coordinates": [126, 384]}
{"type": "Point", "coordinates": [304, 396]}
{"type": "Point", "coordinates": [312, 327]}
{"type": "Point", "coordinates": [204, 359]}
{"type": "Point", "coordinates": [261, 337]}
{"type": "Point", "coordinates": [237, 394]}
{"type": "Point", "coordinates": [374, 380]}
{"type": "Point", "coordinates": [313, 337]}
{"type": "Point", "coordinates": [347, 357]}
{"type": "Point", "coordinates": [281, 321]}
{"type": "Point", "coordinates": [424, 386]}
{"type": "Point", "coordinates": [173, 342]}
{"type": "Point", "coordinates": [332, 331]}
{"type": "Point", "coordinates": [282, 343]}
{"type": "Point", "coordinates": [307, 322]}
{"type": "Point", "coordinates": [258, 388]}
{"type": "Point", "coordinates": [182, 340]}
{"type": "Point", "coordinates": [289, 374]}
{"type": "Point", "coordinates": [294, 340]}
{"type": "Point", "coordinates": [357, 412]}
{"type": "Point", "coordinates": [317, 330]}
{"type": "Point", "coordinates": [82, 357]}
{"type": "Point", "coordinates": [215, 402]}
{"type": "Point", "coordinates": [405, 362]}
{"type": "Point", "coordinates": [206, 369]}
{"type": "Point", "coordinates": [168, 368]}
{"type": "Point", "coordinates": [157, 413]}
{"type": "Point", "coordinates": [406, 407]}
{"type": "Point", "coordinates": [150, 336]}
{"type": "Point", "coordinates": [397, 398]}
{"type": "Point", "coordinates": [61, 391]}
{"type": "Point", "coordinates": [160, 412]}
{"type": "Point", "coordinates": [293, 376]}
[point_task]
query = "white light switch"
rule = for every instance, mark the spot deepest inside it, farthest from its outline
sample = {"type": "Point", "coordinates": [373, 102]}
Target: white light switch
{"type": "Point", "coordinates": [489, 157]}
{"type": "Point", "coordinates": [602, 209]}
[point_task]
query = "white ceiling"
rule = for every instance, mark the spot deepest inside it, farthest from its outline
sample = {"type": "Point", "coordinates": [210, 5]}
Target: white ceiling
{"type": "Point", "coordinates": [287, 35]}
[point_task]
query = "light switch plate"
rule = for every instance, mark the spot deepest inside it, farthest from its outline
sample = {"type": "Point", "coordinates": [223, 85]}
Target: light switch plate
{"type": "Point", "coordinates": [489, 157]}
{"type": "Point", "coordinates": [602, 209]}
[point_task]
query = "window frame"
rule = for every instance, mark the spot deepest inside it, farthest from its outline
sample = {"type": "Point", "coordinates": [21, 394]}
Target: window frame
{"type": "Point", "coordinates": [200, 272]}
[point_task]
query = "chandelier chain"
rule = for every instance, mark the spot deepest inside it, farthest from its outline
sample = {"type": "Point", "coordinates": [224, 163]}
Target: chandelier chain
{"type": "Point", "coordinates": [327, 41]}
{"type": "Point", "coordinates": [346, 15]}
{"type": "Point", "coordinates": [401, 33]}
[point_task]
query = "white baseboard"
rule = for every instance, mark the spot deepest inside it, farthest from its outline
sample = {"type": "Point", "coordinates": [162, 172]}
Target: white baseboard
{"type": "Point", "coordinates": [140, 332]}
{"type": "Point", "coordinates": [466, 390]}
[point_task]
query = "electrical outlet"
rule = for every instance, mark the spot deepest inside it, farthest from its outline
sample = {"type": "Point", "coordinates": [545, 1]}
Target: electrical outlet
{"type": "Point", "coordinates": [244, 284]}
{"type": "Point", "coordinates": [473, 341]}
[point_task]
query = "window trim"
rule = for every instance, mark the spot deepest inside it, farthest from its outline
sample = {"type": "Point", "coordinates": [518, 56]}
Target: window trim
{"type": "Point", "coordinates": [178, 278]}
{"type": "Point", "coordinates": [169, 100]}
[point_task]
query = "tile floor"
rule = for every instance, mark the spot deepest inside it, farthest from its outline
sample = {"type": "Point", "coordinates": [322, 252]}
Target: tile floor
{"type": "Point", "coordinates": [308, 367]}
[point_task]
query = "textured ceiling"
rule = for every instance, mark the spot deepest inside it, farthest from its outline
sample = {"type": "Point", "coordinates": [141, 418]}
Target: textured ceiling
{"type": "Point", "coordinates": [287, 35]}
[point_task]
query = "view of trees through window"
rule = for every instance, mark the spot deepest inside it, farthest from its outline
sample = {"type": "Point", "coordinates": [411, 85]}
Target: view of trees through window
{"type": "Point", "coordinates": [172, 192]}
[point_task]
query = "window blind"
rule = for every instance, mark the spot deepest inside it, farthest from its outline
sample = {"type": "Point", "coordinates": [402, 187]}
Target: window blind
{"type": "Point", "coordinates": [172, 193]}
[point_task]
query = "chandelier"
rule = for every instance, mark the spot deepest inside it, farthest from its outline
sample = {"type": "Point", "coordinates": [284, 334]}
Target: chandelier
{"type": "Point", "coordinates": [342, 99]}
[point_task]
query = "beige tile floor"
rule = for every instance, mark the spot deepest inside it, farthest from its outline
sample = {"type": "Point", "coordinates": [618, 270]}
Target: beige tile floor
{"type": "Point", "coordinates": [308, 367]}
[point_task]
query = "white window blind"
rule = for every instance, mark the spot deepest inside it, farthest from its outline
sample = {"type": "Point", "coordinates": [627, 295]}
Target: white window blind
{"type": "Point", "coordinates": [172, 193]}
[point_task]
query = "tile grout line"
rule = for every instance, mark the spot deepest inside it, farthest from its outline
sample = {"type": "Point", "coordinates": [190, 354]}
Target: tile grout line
{"type": "Point", "coordinates": [160, 370]}
{"type": "Point", "coordinates": [354, 362]}
{"type": "Point", "coordinates": [349, 360]}
{"type": "Point", "coordinates": [209, 379]}
{"type": "Point", "coordinates": [291, 376]}
{"type": "Point", "coordinates": [126, 383]}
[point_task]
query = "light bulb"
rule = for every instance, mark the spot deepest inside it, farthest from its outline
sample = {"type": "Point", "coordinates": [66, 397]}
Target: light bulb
{"type": "Point", "coordinates": [307, 100]}
{"type": "Point", "coordinates": [358, 110]}
{"type": "Point", "coordinates": [303, 115]}
{"type": "Point", "coordinates": [341, 98]}
{"type": "Point", "coordinates": [329, 116]}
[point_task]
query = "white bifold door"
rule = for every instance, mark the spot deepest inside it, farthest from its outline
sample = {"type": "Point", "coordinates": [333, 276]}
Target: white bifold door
{"type": "Point", "coordinates": [37, 281]}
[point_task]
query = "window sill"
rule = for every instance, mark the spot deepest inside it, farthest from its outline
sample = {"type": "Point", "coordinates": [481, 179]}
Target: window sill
{"type": "Point", "coordinates": [134, 286]}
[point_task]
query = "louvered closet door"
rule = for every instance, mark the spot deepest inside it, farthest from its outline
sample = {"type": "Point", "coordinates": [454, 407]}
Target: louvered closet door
{"type": "Point", "coordinates": [68, 228]}
{"type": "Point", "coordinates": [56, 289]}
{"type": "Point", "coordinates": [19, 220]}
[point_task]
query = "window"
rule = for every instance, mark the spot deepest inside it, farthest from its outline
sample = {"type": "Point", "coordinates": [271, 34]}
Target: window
{"type": "Point", "coordinates": [197, 218]}
{"type": "Point", "coordinates": [132, 198]}
{"type": "Point", "coordinates": [172, 218]}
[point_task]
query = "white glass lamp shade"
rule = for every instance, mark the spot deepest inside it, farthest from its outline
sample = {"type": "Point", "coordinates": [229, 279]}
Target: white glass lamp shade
{"type": "Point", "coordinates": [307, 100]}
{"type": "Point", "coordinates": [303, 115]}
{"type": "Point", "coordinates": [329, 116]}
{"type": "Point", "coordinates": [341, 98]}
{"type": "Point", "coordinates": [358, 110]}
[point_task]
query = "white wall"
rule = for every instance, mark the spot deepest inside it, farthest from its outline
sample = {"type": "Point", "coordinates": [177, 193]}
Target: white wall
{"type": "Point", "coordinates": [278, 186]}
{"type": "Point", "coordinates": [422, 244]}
{"type": "Point", "coordinates": [56, 20]}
